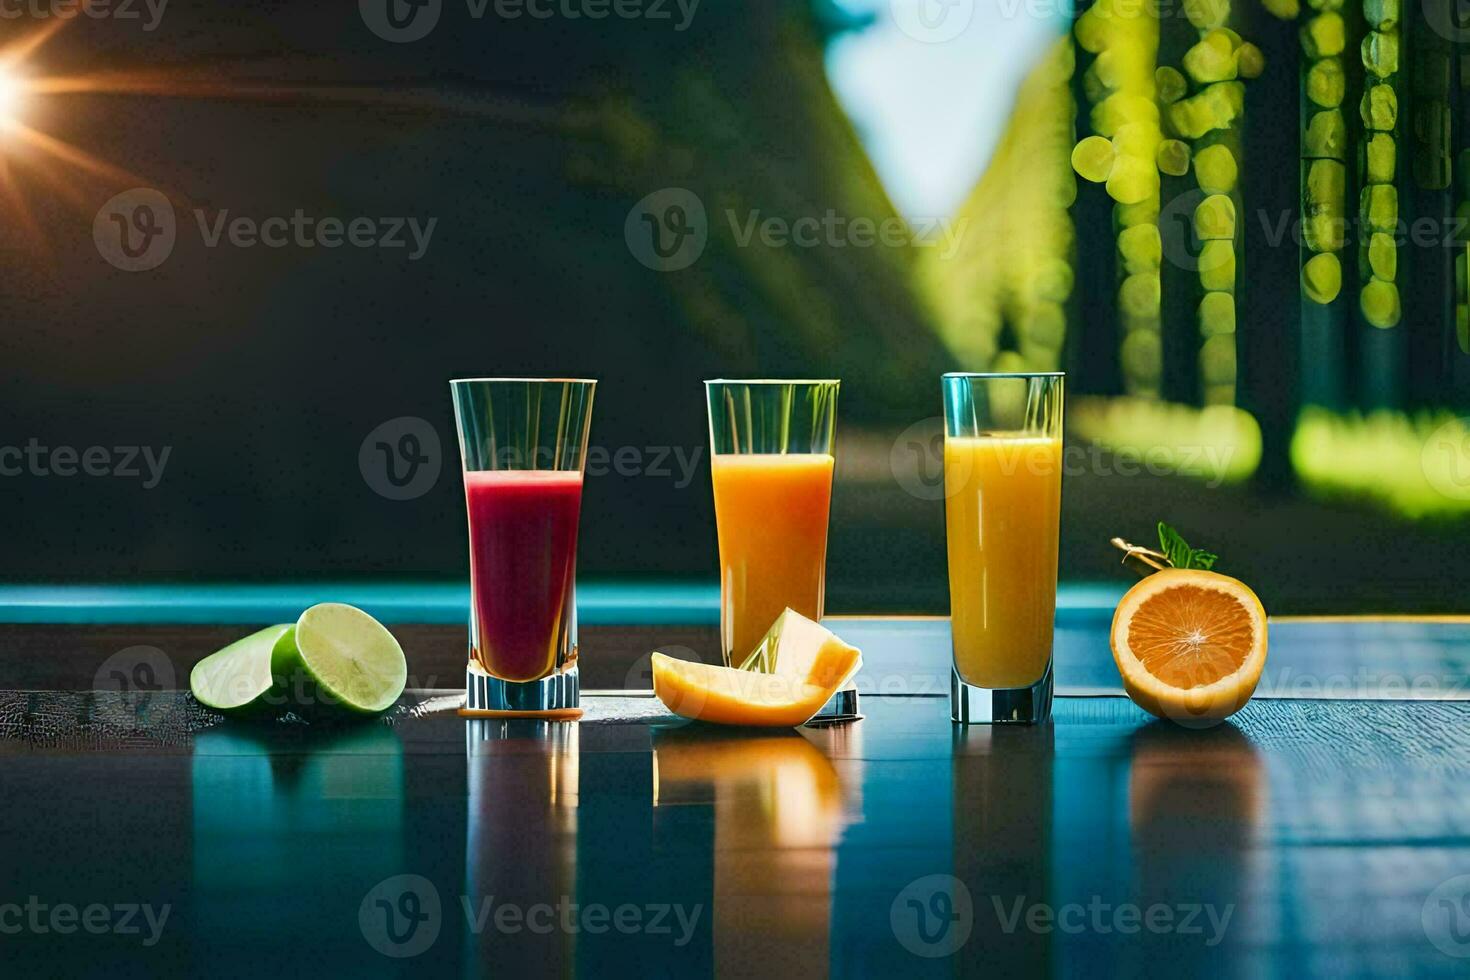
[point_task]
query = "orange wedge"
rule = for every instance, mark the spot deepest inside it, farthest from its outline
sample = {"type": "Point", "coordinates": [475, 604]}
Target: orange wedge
{"type": "Point", "coordinates": [1190, 644]}
{"type": "Point", "coordinates": [730, 696]}
{"type": "Point", "coordinates": [800, 647]}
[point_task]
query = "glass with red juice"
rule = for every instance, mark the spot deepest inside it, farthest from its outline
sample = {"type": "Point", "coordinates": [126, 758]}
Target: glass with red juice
{"type": "Point", "coordinates": [523, 443]}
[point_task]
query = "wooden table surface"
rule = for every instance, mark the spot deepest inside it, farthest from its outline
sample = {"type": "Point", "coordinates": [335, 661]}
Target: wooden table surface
{"type": "Point", "coordinates": [1327, 834]}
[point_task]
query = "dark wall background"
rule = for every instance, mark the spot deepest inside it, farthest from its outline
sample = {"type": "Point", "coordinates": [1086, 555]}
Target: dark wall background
{"type": "Point", "coordinates": [264, 369]}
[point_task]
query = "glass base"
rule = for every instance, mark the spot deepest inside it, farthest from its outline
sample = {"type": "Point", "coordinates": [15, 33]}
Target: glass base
{"type": "Point", "coordinates": [842, 706]}
{"type": "Point", "coordinates": [972, 705]}
{"type": "Point", "coordinates": [557, 696]}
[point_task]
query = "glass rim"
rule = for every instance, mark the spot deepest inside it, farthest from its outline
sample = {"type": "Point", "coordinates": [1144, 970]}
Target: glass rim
{"type": "Point", "coordinates": [568, 381]}
{"type": "Point", "coordinates": [773, 381]}
{"type": "Point", "coordinates": [1004, 374]}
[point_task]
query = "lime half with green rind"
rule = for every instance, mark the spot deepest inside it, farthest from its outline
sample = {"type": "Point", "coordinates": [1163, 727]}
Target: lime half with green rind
{"type": "Point", "coordinates": [340, 657]}
{"type": "Point", "coordinates": [238, 677]}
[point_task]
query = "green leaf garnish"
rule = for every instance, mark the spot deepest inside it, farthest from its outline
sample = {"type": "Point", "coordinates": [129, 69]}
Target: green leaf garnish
{"type": "Point", "coordinates": [1181, 555]}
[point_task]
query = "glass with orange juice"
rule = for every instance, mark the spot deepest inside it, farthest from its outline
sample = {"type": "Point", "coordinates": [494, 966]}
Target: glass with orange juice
{"type": "Point", "coordinates": [1002, 492]}
{"type": "Point", "coordinates": [772, 460]}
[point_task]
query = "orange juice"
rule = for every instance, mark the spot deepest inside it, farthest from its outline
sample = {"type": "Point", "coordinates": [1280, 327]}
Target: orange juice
{"type": "Point", "coordinates": [771, 516]}
{"type": "Point", "coordinates": [1002, 506]}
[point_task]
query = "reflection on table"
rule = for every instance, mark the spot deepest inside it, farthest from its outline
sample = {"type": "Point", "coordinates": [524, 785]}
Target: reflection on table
{"type": "Point", "coordinates": [521, 850]}
{"type": "Point", "coordinates": [777, 805]}
{"type": "Point", "coordinates": [292, 826]}
{"type": "Point", "coordinates": [1331, 833]}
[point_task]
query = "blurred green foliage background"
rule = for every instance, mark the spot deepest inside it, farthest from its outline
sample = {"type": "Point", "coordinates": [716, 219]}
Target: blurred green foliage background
{"type": "Point", "coordinates": [1128, 196]}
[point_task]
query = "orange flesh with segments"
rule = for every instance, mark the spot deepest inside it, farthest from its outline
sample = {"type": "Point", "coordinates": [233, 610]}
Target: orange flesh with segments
{"type": "Point", "coordinates": [1188, 636]}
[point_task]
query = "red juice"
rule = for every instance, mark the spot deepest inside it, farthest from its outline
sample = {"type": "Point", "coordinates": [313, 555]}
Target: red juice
{"type": "Point", "coordinates": [523, 560]}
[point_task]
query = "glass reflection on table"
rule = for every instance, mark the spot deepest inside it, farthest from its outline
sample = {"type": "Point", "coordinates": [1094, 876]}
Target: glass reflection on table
{"type": "Point", "coordinates": [521, 850]}
{"type": "Point", "coordinates": [1003, 815]}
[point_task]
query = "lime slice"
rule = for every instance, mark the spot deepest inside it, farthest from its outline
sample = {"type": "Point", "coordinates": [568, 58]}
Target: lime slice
{"type": "Point", "coordinates": [341, 656]}
{"type": "Point", "coordinates": [238, 677]}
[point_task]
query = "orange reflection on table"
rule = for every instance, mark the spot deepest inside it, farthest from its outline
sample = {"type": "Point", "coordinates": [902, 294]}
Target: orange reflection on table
{"type": "Point", "coordinates": [778, 812]}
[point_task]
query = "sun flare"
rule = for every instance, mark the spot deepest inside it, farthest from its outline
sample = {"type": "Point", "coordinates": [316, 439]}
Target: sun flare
{"type": "Point", "coordinates": [12, 96]}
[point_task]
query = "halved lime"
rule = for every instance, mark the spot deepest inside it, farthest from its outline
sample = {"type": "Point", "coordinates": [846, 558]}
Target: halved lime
{"type": "Point", "coordinates": [238, 677]}
{"type": "Point", "coordinates": [340, 656]}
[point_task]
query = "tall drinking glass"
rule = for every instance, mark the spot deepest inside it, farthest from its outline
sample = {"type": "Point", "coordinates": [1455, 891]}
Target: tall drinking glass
{"type": "Point", "coordinates": [771, 463]}
{"type": "Point", "coordinates": [523, 443]}
{"type": "Point", "coordinates": [1002, 508]}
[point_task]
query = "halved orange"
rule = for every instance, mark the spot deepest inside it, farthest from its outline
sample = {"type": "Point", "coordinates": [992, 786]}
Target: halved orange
{"type": "Point", "coordinates": [1190, 644]}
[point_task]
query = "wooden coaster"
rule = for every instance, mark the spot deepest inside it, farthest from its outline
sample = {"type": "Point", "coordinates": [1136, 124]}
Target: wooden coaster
{"type": "Point", "coordinates": [550, 714]}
